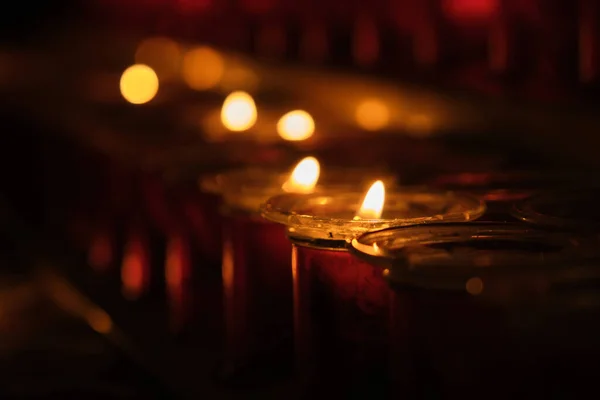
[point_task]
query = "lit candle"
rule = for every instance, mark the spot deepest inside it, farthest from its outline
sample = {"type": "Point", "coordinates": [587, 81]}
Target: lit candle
{"type": "Point", "coordinates": [341, 303]}
{"type": "Point", "coordinates": [257, 279]}
{"type": "Point", "coordinates": [472, 302]}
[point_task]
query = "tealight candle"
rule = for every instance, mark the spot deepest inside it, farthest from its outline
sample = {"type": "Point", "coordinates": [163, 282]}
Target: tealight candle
{"type": "Point", "coordinates": [501, 190]}
{"type": "Point", "coordinates": [257, 278]}
{"type": "Point", "coordinates": [482, 303]}
{"type": "Point", "coordinates": [341, 303]}
{"type": "Point", "coordinates": [572, 210]}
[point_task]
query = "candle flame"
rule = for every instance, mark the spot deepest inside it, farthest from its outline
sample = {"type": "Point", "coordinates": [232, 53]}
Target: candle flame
{"type": "Point", "coordinates": [305, 176]}
{"type": "Point", "coordinates": [238, 112]}
{"type": "Point", "coordinates": [296, 125]}
{"type": "Point", "coordinates": [372, 205]}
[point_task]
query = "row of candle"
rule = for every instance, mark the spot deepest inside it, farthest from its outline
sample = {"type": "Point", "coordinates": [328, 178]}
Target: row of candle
{"type": "Point", "coordinates": [338, 305]}
{"type": "Point", "coordinates": [337, 310]}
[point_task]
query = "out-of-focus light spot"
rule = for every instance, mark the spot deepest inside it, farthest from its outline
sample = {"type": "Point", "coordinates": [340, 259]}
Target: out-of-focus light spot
{"type": "Point", "coordinates": [470, 9]}
{"type": "Point", "coordinates": [202, 68]}
{"type": "Point", "coordinates": [419, 125]}
{"type": "Point", "coordinates": [135, 269]}
{"type": "Point", "coordinates": [296, 125]}
{"type": "Point", "coordinates": [474, 286]}
{"type": "Point", "coordinates": [238, 112]}
{"type": "Point", "coordinates": [161, 54]}
{"type": "Point", "coordinates": [372, 115]}
{"type": "Point", "coordinates": [99, 321]}
{"type": "Point", "coordinates": [139, 84]}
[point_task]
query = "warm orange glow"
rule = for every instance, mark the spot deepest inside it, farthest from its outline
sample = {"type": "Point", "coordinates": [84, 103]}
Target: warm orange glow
{"type": "Point", "coordinates": [134, 270]}
{"type": "Point", "coordinates": [305, 176]}
{"type": "Point", "coordinates": [99, 321]}
{"type": "Point", "coordinates": [419, 125]}
{"type": "Point", "coordinates": [238, 112]}
{"type": "Point", "coordinates": [202, 68]}
{"type": "Point", "coordinates": [177, 263]}
{"type": "Point", "coordinates": [139, 84]}
{"type": "Point", "coordinates": [296, 125]}
{"type": "Point", "coordinates": [474, 286]}
{"type": "Point", "coordinates": [372, 205]}
{"type": "Point", "coordinates": [161, 54]}
{"type": "Point", "coordinates": [372, 115]}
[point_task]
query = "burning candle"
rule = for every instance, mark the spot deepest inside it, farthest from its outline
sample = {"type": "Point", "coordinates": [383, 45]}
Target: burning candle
{"type": "Point", "coordinates": [475, 302]}
{"type": "Point", "coordinates": [340, 303]}
{"type": "Point", "coordinates": [257, 278]}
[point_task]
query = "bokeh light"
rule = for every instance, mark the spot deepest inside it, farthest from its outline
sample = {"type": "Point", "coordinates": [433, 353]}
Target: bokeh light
{"type": "Point", "coordinates": [139, 84]}
{"type": "Point", "coordinates": [239, 112]}
{"type": "Point", "coordinates": [296, 125]}
{"type": "Point", "coordinates": [372, 115]}
{"type": "Point", "coordinates": [202, 68]}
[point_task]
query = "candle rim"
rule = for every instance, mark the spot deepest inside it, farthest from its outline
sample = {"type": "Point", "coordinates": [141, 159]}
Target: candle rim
{"type": "Point", "coordinates": [528, 211]}
{"type": "Point", "coordinates": [417, 237]}
{"type": "Point", "coordinates": [345, 228]}
{"type": "Point", "coordinates": [504, 281]}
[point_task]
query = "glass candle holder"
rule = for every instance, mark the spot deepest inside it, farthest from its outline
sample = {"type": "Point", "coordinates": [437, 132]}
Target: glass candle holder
{"type": "Point", "coordinates": [501, 190]}
{"type": "Point", "coordinates": [492, 309]}
{"type": "Point", "coordinates": [340, 303]}
{"type": "Point", "coordinates": [573, 210]}
{"type": "Point", "coordinates": [256, 270]}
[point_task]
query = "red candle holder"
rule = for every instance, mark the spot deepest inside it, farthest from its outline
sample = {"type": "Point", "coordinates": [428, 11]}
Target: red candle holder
{"type": "Point", "coordinates": [572, 210]}
{"type": "Point", "coordinates": [501, 190]}
{"type": "Point", "coordinates": [256, 268]}
{"type": "Point", "coordinates": [340, 303]}
{"type": "Point", "coordinates": [482, 303]}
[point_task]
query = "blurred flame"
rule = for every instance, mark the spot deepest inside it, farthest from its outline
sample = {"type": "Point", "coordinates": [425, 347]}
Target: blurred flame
{"type": "Point", "coordinates": [372, 205]}
{"type": "Point", "coordinates": [161, 54]}
{"type": "Point", "coordinates": [238, 112]}
{"type": "Point", "coordinates": [139, 84]}
{"type": "Point", "coordinates": [372, 115]}
{"type": "Point", "coordinates": [296, 125]}
{"type": "Point", "coordinates": [202, 68]}
{"type": "Point", "coordinates": [305, 176]}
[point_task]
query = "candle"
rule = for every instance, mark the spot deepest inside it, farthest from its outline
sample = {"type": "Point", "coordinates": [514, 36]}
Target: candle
{"type": "Point", "coordinates": [341, 303]}
{"type": "Point", "coordinates": [257, 279]}
{"type": "Point", "coordinates": [475, 303]}
{"type": "Point", "coordinates": [574, 209]}
{"type": "Point", "coordinates": [501, 190]}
